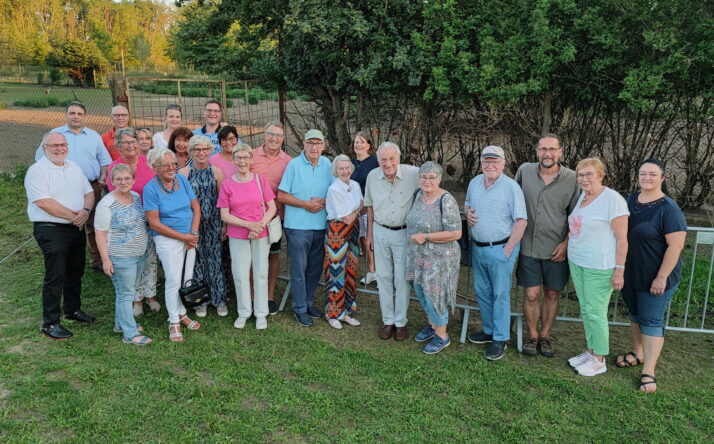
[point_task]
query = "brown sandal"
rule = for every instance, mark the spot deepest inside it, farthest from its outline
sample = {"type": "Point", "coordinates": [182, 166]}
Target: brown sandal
{"type": "Point", "coordinates": [622, 362]}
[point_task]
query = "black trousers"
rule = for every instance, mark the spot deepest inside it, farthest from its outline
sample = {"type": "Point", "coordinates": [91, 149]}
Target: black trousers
{"type": "Point", "coordinates": [63, 246]}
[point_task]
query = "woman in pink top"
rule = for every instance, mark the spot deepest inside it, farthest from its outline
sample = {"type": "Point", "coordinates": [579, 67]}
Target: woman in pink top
{"type": "Point", "coordinates": [126, 141]}
{"type": "Point", "coordinates": [227, 138]}
{"type": "Point", "coordinates": [247, 205]}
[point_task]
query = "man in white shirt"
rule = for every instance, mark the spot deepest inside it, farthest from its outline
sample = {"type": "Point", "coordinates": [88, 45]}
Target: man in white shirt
{"type": "Point", "coordinates": [388, 197]}
{"type": "Point", "coordinates": [60, 200]}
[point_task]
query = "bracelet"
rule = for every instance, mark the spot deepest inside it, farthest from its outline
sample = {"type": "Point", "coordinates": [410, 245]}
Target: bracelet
{"type": "Point", "coordinates": [428, 238]}
{"type": "Point", "coordinates": [195, 233]}
{"type": "Point", "coordinates": [618, 266]}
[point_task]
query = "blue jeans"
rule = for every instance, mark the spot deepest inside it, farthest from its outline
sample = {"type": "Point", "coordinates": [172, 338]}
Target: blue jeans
{"type": "Point", "coordinates": [492, 272]}
{"type": "Point", "coordinates": [306, 249]}
{"type": "Point", "coordinates": [647, 309]}
{"type": "Point", "coordinates": [435, 319]}
{"type": "Point", "coordinates": [127, 272]}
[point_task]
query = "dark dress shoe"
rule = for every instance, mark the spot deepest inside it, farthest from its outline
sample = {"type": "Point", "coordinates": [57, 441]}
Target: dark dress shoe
{"type": "Point", "coordinates": [80, 316]}
{"type": "Point", "coordinates": [386, 332]}
{"type": "Point", "coordinates": [400, 334]}
{"type": "Point", "coordinates": [56, 332]}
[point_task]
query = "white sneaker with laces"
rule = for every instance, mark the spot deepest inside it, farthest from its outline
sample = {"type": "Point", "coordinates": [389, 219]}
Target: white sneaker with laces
{"type": "Point", "coordinates": [592, 367]}
{"type": "Point", "coordinates": [352, 321]}
{"type": "Point", "coordinates": [334, 323]}
{"type": "Point", "coordinates": [201, 311]}
{"type": "Point", "coordinates": [240, 322]}
{"type": "Point", "coordinates": [222, 310]}
{"type": "Point", "coordinates": [261, 323]}
{"type": "Point", "coordinates": [580, 359]}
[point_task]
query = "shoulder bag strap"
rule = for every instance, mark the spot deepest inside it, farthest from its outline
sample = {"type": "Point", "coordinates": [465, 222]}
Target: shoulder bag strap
{"type": "Point", "coordinates": [262, 197]}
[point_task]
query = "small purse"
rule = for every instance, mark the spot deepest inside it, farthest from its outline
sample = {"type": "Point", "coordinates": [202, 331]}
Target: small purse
{"type": "Point", "coordinates": [275, 229]}
{"type": "Point", "coordinates": [194, 292]}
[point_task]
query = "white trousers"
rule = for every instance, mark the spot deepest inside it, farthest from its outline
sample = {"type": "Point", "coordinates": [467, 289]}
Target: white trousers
{"type": "Point", "coordinates": [390, 263]}
{"type": "Point", "coordinates": [170, 252]}
{"type": "Point", "coordinates": [247, 253]}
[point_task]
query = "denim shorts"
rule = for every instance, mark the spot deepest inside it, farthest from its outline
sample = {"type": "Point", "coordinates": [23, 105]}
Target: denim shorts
{"type": "Point", "coordinates": [647, 309]}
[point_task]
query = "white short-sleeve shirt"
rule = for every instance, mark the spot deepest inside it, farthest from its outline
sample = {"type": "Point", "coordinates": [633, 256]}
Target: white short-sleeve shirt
{"type": "Point", "coordinates": [342, 199]}
{"type": "Point", "coordinates": [591, 239]}
{"type": "Point", "coordinates": [65, 184]}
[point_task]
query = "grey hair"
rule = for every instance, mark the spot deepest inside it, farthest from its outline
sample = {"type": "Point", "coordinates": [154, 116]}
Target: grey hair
{"type": "Point", "coordinates": [156, 155]}
{"type": "Point", "coordinates": [385, 145]}
{"type": "Point", "coordinates": [47, 135]}
{"type": "Point", "coordinates": [124, 132]}
{"type": "Point", "coordinates": [341, 158]}
{"type": "Point", "coordinates": [199, 139]}
{"type": "Point", "coordinates": [115, 108]}
{"type": "Point", "coordinates": [273, 123]}
{"type": "Point", "coordinates": [431, 167]}
{"type": "Point", "coordinates": [242, 147]}
{"type": "Point", "coordinates": [121, 168]}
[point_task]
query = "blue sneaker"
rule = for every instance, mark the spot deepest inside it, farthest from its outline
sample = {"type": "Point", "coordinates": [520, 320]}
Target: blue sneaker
{"type": "Point", "coordinates": [425, 334]}
{"type": "Point", "coordinates": [314, 312]}
{"type": "Point", "coordinates": [436, 345]}
{"type": "Point", "coordinates": [303, 319]}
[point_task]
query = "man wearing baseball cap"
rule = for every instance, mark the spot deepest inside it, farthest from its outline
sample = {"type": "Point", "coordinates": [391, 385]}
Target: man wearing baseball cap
{"type": "Point", "coordinates": [302, 190]}
{"type": "Point", "coordinates": [496, 213]}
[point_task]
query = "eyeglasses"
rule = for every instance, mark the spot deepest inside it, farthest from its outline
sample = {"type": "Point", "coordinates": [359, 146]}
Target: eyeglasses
{"type": "Point", "coordinates": [122, 179]}
{"type": "Point", "coordinates": [170, 164]}
{"type": "Point", "coordinates": [129, 142]}
{"type": "Point", "coordinates": [242, 158]}
{"type": "Point", "coordinates": [318, 143]}
{"type": "Point", "coordinates": [56, 145]}
{"type": "Point", "coordinates": [490, 162]}
{"type": "Point", "coordinates": [428, 178]}
{"type": "Point", "coordinates": [200, 150]}
{"type": "Point", "coordinates": [548, 150]}
{"type": "Point", "coordinates": [213, 111]}
{"type": "Point", "coordinates": [120, 115]}
{"type": "Point", "coordinates": [589, 175]}
{"type": "Point", "coordinates": [269, 134]}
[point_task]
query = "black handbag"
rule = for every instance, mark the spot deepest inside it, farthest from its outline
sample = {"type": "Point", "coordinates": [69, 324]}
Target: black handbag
{"type": "Point", "coordinates": [194, 292]}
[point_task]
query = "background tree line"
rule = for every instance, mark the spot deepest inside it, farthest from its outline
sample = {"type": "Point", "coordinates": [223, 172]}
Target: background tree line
{"type": "Point", "coordinates": [620, 79]}
{"type": "Point", "coordinates": [82, 38]}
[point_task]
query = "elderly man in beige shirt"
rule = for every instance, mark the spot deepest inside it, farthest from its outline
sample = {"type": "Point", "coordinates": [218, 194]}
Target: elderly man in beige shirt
{"type": "Point", "coordinates": [388, 197]}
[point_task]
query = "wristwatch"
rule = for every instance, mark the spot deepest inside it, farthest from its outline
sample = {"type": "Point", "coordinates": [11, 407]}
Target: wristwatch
{"type": "Point", "coordinates": [87, 210]}
{"type": "Point", "coordinates": [195, 233]}
{"type": "Point", "coordinates": [428, 238]}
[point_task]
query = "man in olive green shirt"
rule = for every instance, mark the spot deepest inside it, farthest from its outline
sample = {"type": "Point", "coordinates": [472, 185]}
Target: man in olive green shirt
{"type": "Point", "coordinates": [551, 192]}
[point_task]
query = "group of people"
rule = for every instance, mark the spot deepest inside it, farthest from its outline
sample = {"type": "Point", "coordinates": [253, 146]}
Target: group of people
{"type": "Point", "coordinates": [200, 203]}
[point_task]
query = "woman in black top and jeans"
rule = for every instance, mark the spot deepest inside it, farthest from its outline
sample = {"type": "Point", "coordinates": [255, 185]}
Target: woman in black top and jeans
{"type": "Point", "coordinates": [365, 161]}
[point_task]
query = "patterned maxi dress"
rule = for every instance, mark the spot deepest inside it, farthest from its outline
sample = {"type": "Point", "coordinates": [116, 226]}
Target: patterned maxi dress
{"type": "Point", "coordinates": [434, 266]}
{"type": "Point", "coordinates": [341, 256]}
{"type": "Point", "coordinates": [209, 267]}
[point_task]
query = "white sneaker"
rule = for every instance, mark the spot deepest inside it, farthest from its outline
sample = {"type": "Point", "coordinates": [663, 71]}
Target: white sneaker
{"type": "Point", "coordinates": [240, 322]}
{"type": "Point", "coordinates": [222, 310]}
{"type": "Point", "coordinates": [580, 359]}
{"type": "Point", "coordinates": [369, 278]}
{"type": "Point", "coordinates": [334, 323]}
{"type": "Point", "coordinates": [352, 321]}
{"type": "Point", "coordinates": [201, 311]}
{"type": "Point", "coordinates": [260, 323]}
{"type": "Point", "coordinates": [592, 367]}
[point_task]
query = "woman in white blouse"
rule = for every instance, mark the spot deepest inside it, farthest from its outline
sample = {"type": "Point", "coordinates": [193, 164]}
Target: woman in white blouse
{"type": "Point", "coordinates": [172, 120]}
{"type": "Point", "coordinates": [343, 204]}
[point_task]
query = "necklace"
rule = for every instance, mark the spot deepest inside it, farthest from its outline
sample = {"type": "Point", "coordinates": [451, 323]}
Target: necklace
{"type": "Point", "coordinates": [174, 186]}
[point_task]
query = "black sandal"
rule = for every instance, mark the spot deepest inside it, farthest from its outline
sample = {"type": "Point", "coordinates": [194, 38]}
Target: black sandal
{"type": "Point", "coordinates": [625, 363]}
{"type": "Point", "coordinates": [642, 384]}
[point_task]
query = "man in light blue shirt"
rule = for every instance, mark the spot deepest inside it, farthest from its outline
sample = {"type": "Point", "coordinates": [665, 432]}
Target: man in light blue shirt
{"type": "Point", "coordinates": [302, 190]}
{"type": "Point", "coordinates": [87, 150]}
{"type": "Point", "coordinates": [212, 113]}
{"type": "Point", "coordinates": [496, 212]}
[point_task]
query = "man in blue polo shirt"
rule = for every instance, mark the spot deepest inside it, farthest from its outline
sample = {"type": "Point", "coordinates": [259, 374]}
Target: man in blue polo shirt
{"type": "Point", "coordinates": [496, 212]}
{"type": "Point", "coordinates": [212, 113]}
{"type": "Point", "coordinates": [302, 190]}
{"type": "Point", "coordinates": [87, 150]}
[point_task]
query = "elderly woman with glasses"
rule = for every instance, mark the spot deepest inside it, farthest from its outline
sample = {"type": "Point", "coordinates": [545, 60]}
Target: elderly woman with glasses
{"type": "Point", "coordinates": [597, 249]}
{"type": "Point", "coordinates": [125, 140]}
{"type": "Point", "coordinates": [122, 239]}
{"type": "Point", "coordinates": [174, 215]}
{"type": "Point", "coordinates": [343, 204]}
{"type": "Point", "coordinates": [433, 254]}
{"type": "Point", "coordinates": [206, 181]}
{"type": "Point", "coordinates": [172, 120]}
{"type": "Point", "coordinates": [247, 205]}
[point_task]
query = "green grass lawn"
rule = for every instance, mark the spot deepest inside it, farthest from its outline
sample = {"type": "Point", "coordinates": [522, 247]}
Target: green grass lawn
{"type": "Point", "coordinates": [295, 384]}
{"type": "Point", "coordinates": [11, 92]}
